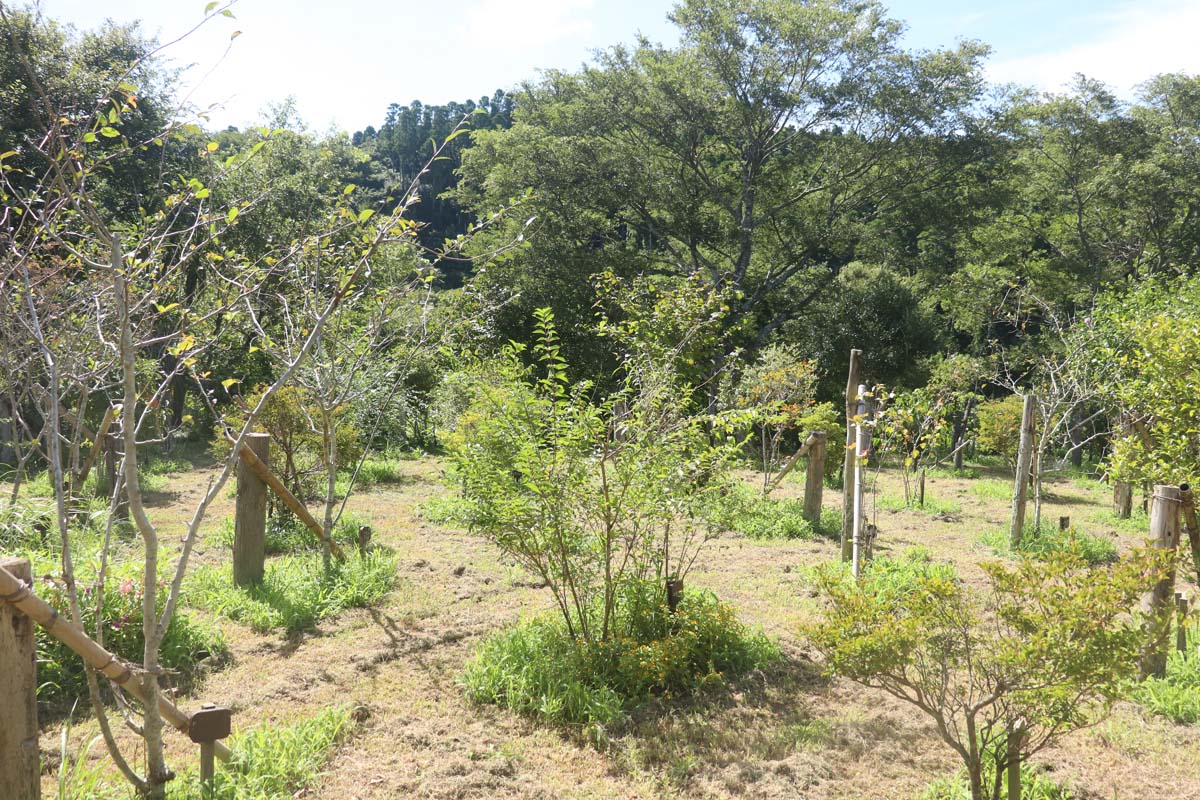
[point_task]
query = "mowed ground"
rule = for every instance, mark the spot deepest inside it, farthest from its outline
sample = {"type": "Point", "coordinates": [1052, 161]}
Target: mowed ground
{"type": "Point", "coordinates": [789, 732]}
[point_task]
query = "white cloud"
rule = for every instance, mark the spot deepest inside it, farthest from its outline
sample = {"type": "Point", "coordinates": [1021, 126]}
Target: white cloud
{"type": "Point", "coordinates": [1135, 43]}
{"type": "Point", "coordinates": [507, 24]}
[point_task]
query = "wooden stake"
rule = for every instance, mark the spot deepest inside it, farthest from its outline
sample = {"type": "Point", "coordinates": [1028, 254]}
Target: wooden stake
{"type": "Point", "coordinates": [250, 520]}
{"type": "Point", "coordinates": [1123, 499]}
{"type": "Point", "coordinates": [1015, 734]}
{"type": "Point", "coordinates": [18, 593]}
{"type": "Point", "coordinates": [20, 773]}
{"type": "Point", "coordinates": [1064, 523]}
{"type": "Point", "coordinates": [114, 449]}
{"type": "Point", "coordinates": [1021, 481]}
{"type": "Point", "coordinates": [850, 457]}
{"type": "Point", "coordinates": [921, 489]}
{"type": "Point", "coordinates": [260, 469]}
{"type": "Point", "coordinates": [794, 460]}
{"type": "Point", "coordinates": [814, 478]}
{"type": "Point", "coordinates": [1156, 603]}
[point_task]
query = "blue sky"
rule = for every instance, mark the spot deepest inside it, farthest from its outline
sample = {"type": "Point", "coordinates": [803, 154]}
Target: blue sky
{"type": "Point", "coordinates": [345, 60]}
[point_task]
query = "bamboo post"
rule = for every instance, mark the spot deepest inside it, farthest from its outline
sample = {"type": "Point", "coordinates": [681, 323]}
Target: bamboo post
{"type": "Point", "coordinates": [1021, 481]}
{"type": "Point", "coordinates": [860, 447]}
{"type": "Point", "coordinates": [20, 773]}
{"type": "Point", "coordinates": [814, 478]}
{"type": "Point", "coordinates": [18, 593]}
{"type": "Point", "coordinates": [1156, 603]}
{"type": "Point", "coordinates": [266, 476]}
{"type": "Point", "coordinates": [250, 517]}
{"type": "Point", "coordinates": [849, 457]}
{"type": "Point", "coordinates": [1181, 612]}
{"type": "Point", "coordinates": [1191, 525]}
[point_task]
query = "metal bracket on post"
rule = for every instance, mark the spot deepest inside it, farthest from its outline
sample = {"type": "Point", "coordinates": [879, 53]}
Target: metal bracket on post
{"type": "Point", "coordinates": [205, 728]}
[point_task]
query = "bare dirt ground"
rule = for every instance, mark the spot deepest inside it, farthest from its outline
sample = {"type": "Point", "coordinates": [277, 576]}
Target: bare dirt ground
{"type": "Point", "coordinates": [789, 732]}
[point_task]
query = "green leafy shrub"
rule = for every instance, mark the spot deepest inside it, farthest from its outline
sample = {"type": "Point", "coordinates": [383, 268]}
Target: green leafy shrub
{"type": "Point", "coordinates": [1000, 428]}
{"type": "Point", "coordinates": [188, 647]}
{"type": "Point", "coordinates": [1045, 541]}
{"type": "Point", "coordinates": [989, 674]}
{"type": "Point", "coordinates": [297, 591]}
{"type": "Point", "coordinates": [537, 668]}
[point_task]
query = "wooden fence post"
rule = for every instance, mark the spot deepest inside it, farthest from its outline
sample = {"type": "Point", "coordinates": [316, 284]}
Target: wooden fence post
{"type": "Point", "coordinates": [20, 773]}
{"type": "Point", "coordinates": [250, 520]}
{"type": "Point", "coordinates": [849, 456]}
{"type": "Point", "coordinates": [1123, 499]}
{"type": "Point", "coordinates": [1156, 603]}
{"type": "Point", "coordinates": [1191, 524]}
{"type": "Point", "coordinates": [860, 447]}
{"type": "Point", "coordinates": [814, 479]}
{"type": "Point", "coordinates": [1021, 481]}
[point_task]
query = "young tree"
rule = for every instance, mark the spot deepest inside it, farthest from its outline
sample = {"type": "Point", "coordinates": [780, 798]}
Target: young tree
{"type": "Point", "coordinates": [1045, 652]}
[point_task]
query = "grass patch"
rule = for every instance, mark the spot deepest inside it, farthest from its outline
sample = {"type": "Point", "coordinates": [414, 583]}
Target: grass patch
{"type": "Point", "coordinates": [1177, 695]}
{"type": "Point", "coordinates": [446, 510]}
{"type": "Point", "coordinates": [189, 647]}
{"type": "Point", "coordinates": [1035, 785]}
{"type": "Point", "coordinates": [1043, 541]}
{"type": "Point", "coordinates": [1138, 522]}
{"type": "Point", "coordinates": [268, 762]}
{"type": "Point", "coordinates": [933, 505]}
{"type": "Point", "coordinates": [992, 489]}
{"type": "Point", "coordinates": [537, 669]}
{"type": "Point", "coordinates": [966, 473]}
{"type": "Point", "coordinates": [747, 512]}
{"type": "Point", "coordinates": [285, 533]}
{"type": "Point", "coordinates": [297, 591]}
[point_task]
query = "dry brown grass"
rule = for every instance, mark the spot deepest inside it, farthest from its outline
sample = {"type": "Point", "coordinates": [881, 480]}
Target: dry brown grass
{"type": "Point", "coordinates": [788, 732]}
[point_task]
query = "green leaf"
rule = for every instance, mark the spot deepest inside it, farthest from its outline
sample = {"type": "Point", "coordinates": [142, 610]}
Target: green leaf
{"type": "Point", "coordinates": [232, 215]}
{"type": "Point", "coordinates": [212, 147]}
{"type": "Point", "coordinates": [203, 193]}
{"type": "Point", "coordinates": [350, 187]}
{"type": "Point", "coordinates": [209, 7]}
{"type": "Point", "coordinates": [229, 382]}
{"type": "Point", "coordinates": [89, 137]}
{"type": "Point", "coordinates": [109, 133]}
{"type": "Point", "coordinates": [365, 214]}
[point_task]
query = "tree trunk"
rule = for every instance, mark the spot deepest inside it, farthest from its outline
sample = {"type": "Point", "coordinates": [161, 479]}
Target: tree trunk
{"type": "Point", "coordinates": [20, 774]}
{"type": "Point", "coordinates": [1123, 499]}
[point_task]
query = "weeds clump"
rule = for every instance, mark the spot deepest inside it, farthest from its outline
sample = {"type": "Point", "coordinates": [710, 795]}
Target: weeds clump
{"type": "Point", "coordinates": [1034, 785]}
{"type": "Point", "coordinates": [746, 511]}
{"type": "Point", "coordinates": [297, 591]}
{"type": "Point", "coordinates": [187, 648]}
{"type": "Point", "coordinates": [1176, 695]}
{"type": "Point", "coordinates": [1042, 542]}
{"type": "Point", "coordinates": [268, 763]}
{"type": "Point", "coordinates": [538, 669]}
{"type": "Point", "coordinates": [287, 534]}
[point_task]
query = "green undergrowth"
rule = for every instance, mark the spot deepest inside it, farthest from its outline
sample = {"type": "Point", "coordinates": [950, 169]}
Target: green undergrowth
{"type": "Point", "coordinates": [297, 590]}
{"type": "Point", "coordinates": [537, 669]}
{"type": "Point", "coordinates": [190, 647]}
{"type": "Point", "coordinates": [745, 511]}
{"type": "Point", "coordinates": [934, 506]}
{"type": "Point", "coordinates": [269, 762]}
{"type": "Point", "coordinates": [446, 510]}
{"type": "Point", "coordinates": [285, 533]}
{"type": "Point", "coordinates": [992, 489]}
{"type": "Point", "coordinates": [1045, 540]}
{"type": "Point", "coordinates": [1035, 785]}
{"type": "Point", "coordinates": [1175, 696]}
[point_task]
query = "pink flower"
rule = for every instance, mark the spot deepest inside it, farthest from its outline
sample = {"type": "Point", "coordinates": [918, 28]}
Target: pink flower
{"type": "Point", "coordinates": [126, 586]}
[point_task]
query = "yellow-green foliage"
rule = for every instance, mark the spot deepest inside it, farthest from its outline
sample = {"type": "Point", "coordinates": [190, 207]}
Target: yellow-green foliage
{"type": "Point", "coordinates": [1000, 428]}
